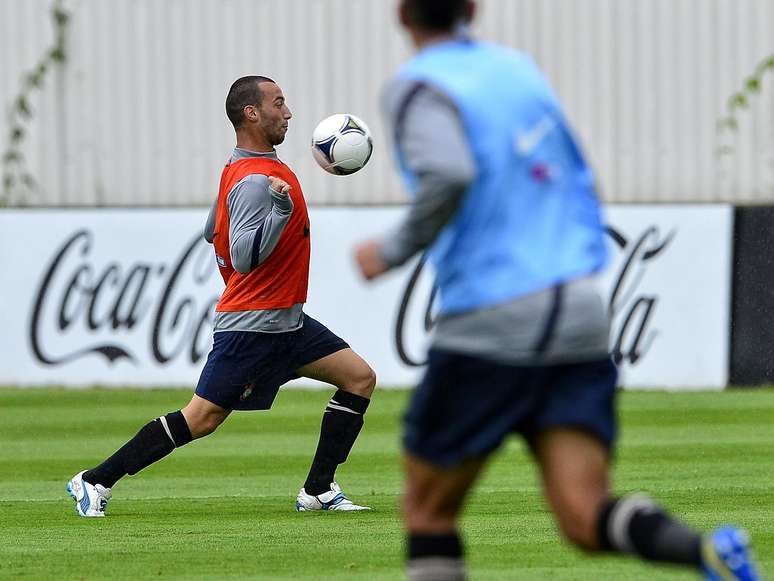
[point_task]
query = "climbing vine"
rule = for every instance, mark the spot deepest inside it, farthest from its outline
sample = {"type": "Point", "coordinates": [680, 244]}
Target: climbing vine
{"type": "Point", "coordinates": [17, 181]}
{"type": "Point", "coordinates": [741, 101]}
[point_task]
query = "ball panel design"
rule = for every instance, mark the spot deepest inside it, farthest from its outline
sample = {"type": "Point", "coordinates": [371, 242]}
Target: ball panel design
{"type": "Point", "coordinates": [342, 144]}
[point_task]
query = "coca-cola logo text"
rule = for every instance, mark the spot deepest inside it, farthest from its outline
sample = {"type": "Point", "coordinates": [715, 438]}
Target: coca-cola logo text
{"type": "Point", "coordinates": [631, 310]}
{"type": "Point", "coordinates": [111, 302]}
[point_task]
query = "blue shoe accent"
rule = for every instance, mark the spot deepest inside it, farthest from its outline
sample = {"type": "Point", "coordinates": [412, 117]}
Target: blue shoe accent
{"type": "Point", "coordinates": [72, 495]}
{"type": "Point", "coordinates": [726, 555]}
{"type": "Point", "coordinates": [85, 502]}
{"type": "Point", "coordinates": [333, 499]}
{"type": "Point", "coordinates": [338, 499]}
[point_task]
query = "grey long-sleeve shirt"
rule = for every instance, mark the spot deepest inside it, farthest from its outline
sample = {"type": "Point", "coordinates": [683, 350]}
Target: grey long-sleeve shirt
{"type": "Point", "coordinates": [434, 145]}
{"type": "Point", "coordinates": [429, 132]}
{"type": "Point", "coordinates": [257, 217]}
{"type": "Point", "coordinates": [256, 221]}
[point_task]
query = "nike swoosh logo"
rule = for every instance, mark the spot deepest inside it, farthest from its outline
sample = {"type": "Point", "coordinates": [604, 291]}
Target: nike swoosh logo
{"type": "Point", "coordinates": [528, 141]}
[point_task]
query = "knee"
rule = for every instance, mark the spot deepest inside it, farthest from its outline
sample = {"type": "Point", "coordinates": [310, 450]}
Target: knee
{"type": "Point", "coordinates": [369, 381]}
{"type": "Point", "coordinates": [425, 518]}
{"type": "Point", "coordinates": [578, 526]}
{"type": "Point", "coordinates": [362, 382]}
{"type": "Point", "coordinates": [204, 424]}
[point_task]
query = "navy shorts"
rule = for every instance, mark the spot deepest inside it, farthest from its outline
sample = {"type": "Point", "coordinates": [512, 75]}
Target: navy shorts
{"type": "Point", "coordinates": [245, 370]}
{"type": "Point", "coordinates": [466, 406]}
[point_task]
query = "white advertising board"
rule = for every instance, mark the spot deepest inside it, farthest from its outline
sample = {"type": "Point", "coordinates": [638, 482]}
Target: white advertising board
{"type": "Point", "coordinates": [125, 297]}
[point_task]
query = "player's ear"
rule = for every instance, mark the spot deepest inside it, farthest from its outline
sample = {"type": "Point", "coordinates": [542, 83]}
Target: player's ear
{"type": "Point", "coordinates": [403, 15]}
{"type": "Point", "coordinates": [251, 113]}
{"type": "Point", "coordinates": [470, 11]}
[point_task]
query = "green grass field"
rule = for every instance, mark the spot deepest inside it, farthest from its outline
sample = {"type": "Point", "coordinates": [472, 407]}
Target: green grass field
{"type": "Point", "coordinates": [222, 508]}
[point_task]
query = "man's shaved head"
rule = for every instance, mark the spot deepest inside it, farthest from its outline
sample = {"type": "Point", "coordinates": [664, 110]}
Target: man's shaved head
{"type": "Point", "coordinates": [245, 91]}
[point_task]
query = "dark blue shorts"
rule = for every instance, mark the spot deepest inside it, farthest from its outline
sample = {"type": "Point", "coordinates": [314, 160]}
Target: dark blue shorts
{"type": "Point", "coordinates": [466, 406]}
{"type": "Point", "coordinates": [245, 370]}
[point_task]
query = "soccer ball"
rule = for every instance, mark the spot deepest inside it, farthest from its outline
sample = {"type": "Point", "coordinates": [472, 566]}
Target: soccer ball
{"type": "Point", "coordinates": [342, 144]}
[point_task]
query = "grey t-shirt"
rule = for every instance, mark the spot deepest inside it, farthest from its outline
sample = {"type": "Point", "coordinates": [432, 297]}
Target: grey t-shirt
{"type": "Point", "coordinates": [257, 217]}
{"type": "Point", "coordinates": [549, 326]}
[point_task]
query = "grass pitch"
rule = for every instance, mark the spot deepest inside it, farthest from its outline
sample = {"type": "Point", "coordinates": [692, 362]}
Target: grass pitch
{"type": "Point", "coordinates": [222, 508]}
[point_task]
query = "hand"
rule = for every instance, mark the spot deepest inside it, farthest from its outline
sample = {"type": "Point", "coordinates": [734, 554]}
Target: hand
{"type": "Point", "coordinates": [278, 185]}
{"type": "Point", "coordinates": [369, 259]}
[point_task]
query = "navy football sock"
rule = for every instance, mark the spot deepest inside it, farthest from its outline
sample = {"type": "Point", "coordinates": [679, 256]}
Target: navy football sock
{"type": "Point", "coordinates": [636, 525]}
{"type": "Point", "coordinates": [155, 440]}
{"type": "Point", "coordinates": [435, 558]}
{"type": "Point", "coordinates": [341, 424]}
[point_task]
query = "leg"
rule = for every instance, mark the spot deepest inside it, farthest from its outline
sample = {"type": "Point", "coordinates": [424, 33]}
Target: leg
{"type": "Point", "coordinates": [571, 432]}
{"type": "Point", "coordinates": [203, 417]}
{"type": "Point", "coordinates": [343, 417]}
{"type": "Point", "coordinates": [345, 369]}
{"type": "Point", "coordinates": [224, 379]}
{"type": "Point", "coordinates": [574, 467]}
{"type": "Point", "coordinates": [459, 414]}
{"type": "Point", "coordinates": [434, 496]}
{"type": "Point", "coordinates": [157, 439]}
{"type": "Point", "coordinates": [433, 500]}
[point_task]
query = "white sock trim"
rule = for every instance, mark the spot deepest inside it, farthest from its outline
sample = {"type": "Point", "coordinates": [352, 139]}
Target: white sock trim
{"type": "Point", "coordinates": [341, 408]}
{"type": "Point", "coordinates": [436, 569]}
{"type": "Point", "coordinates": [166, 429]}
{"type": "Point", "coordinates": [618, 525]}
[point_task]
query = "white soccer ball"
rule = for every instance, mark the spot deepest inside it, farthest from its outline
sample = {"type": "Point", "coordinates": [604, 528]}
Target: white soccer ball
{"type": "Point", "coordinates": [342, 144]}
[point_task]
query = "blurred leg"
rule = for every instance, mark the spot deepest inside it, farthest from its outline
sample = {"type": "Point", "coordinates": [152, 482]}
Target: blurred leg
{"type": "Point", "coordinates": [433, 500]}
{"type": "Point", "coordinates": [574, 467]}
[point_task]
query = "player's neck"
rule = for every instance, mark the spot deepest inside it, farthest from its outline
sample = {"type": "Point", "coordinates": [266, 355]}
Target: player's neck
{"type": "Point", "coordinates": [256, 143]}
{"type": "Point", "coordinates": [423, 39]}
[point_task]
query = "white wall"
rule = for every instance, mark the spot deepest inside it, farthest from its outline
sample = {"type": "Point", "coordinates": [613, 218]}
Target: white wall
{"type": "Point", "coordinates": [136, 117]}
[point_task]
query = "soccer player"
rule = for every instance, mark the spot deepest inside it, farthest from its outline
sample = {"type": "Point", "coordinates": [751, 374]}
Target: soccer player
{"type": "Point", "coordinates": [506, 206]}
{"type": "Point", "coordinates": [259, 227]}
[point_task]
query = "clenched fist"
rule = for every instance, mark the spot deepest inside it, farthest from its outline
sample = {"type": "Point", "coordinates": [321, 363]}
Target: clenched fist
{"type": "Point", "coordinates": [368, 257]}
{"type": "Point", "coordinates": [278, 185]}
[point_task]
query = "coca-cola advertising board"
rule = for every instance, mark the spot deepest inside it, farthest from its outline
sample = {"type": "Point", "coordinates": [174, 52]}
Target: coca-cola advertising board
{"type": "Point", "coordinates": [126, 297]}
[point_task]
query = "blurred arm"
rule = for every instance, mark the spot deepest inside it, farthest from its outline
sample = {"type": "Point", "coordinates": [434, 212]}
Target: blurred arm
{"type": "Point", "coordinates": [430, 135]}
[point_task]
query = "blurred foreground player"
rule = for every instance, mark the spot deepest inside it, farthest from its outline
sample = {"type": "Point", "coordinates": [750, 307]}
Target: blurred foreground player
{"type": "Point", "coordinates": [507, 206]}
{"type": "Point", "coordinates": [260, 230]}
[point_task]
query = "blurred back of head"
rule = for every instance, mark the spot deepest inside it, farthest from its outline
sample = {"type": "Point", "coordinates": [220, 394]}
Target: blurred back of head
{"type": "Point", "coordinates": [436, 15]}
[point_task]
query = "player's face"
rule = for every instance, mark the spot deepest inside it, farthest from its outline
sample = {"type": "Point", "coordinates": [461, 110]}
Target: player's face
{"type": "Point", "coordinates": [274, 114]}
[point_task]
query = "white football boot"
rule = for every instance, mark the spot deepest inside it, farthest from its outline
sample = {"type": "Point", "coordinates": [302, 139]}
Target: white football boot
{"type": "Point", "coordinates": [90, 499]}
{"type": "Point", "coordinates": [334, 499]}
